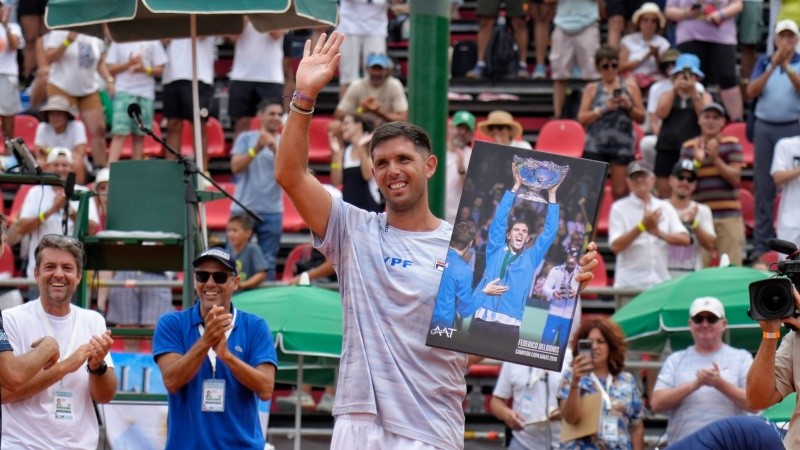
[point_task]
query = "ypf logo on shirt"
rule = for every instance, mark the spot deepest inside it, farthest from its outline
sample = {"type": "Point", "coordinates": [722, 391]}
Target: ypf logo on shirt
{"type": "Point", "coordinates": [393, 261]}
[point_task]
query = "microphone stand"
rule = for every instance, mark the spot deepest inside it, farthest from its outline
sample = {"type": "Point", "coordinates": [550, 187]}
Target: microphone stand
{"type": "Point", "coordinates": [190, 194]}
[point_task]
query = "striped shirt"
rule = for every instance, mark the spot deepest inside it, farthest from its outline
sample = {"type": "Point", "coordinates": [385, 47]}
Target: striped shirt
{"type": "Point", "coordinates": [713, 190]}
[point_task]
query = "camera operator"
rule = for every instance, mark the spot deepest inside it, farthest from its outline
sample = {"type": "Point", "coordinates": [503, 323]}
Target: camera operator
{"type": "Point", "coordinates": [774, 373]}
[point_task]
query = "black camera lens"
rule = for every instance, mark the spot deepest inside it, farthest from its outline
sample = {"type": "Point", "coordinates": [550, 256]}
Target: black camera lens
{"type": "Point", "coordinates": [771, 299]}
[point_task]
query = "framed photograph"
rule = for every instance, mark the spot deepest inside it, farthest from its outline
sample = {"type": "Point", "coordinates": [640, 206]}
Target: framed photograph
{"type": "Point", "coordinates": [508, 288]}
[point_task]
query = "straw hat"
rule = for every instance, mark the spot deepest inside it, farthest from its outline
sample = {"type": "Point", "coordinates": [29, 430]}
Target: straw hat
{"type": "Point", "coordinates": [649, 8]}
{"type": "Point", "coordinates": [59, 103]}
{"type": "Point", "coordinates": [501, 118]}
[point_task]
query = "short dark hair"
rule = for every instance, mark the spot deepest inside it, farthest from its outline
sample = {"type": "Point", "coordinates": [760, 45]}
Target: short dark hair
{"type": "Point", "coordinates": [463, 234]}
{"type": "Point", "coordinates": [606, 52]}
{"type": "Point", "coordinates": [66, 243]}
{"type": "Point", "coordinates": [391, 130]}
{"type": "Point", "coordinates": [243, 220]}
{"type": "Point", "coordinates": [263, 104]}
{"type": "Point", "coordinates": [515, 221]}
{"type": "Point", "coordinates": [617, 348]}
{"type": "Point", "coordinates": [366, 123]}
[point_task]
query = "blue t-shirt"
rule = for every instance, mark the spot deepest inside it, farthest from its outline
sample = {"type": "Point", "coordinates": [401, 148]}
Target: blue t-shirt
{"type": "Point", "coordinates": [249, 262]}
{"type": "Point", "coordinates": [256, 187]}
{"type": "Point", "coordinates": [237, 427]}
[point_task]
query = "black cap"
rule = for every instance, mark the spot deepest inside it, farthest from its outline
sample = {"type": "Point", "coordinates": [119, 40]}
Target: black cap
{"type": "Point", "coordinates": [684, 165]}
{"type": "Point", "coordinates": [217, 254]}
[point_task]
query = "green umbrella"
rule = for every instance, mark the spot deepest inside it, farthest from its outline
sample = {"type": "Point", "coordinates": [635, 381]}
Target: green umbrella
{"type": "Point", "coordinates": [660, 314]}
{"type": "Point", "coordinates": [134, 20]}
{"type": "Point", "coordinates": [306, 324]}
{"type": "Point", "coordinates": [782, 412]}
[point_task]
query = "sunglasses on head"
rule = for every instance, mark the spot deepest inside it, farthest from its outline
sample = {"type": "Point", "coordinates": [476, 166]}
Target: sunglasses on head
{"type": "Point", "coordinates": [202, 276]}
{"type": "Point", "coordinates": [497, 127]}
{"type": "Point", "coordinates": [710, 318]}
{"type": "Point", "coordinates": [689, 178]}
{"type": "Point", "coordinates": [607, 66]}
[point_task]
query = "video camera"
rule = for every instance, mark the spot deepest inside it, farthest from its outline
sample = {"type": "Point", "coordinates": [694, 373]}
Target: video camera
{"type": "Point", "coordinates": [773, 298]}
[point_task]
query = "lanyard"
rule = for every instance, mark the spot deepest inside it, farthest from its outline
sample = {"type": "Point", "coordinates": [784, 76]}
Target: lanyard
{"type": "Point", "coordinates": [603, 389]}
{"type": "Point", "coordinates": [212, 355]}
{"type": "Point", "coordinates": [73, 333]}
{"type": "Point", "coordinates": [534, 375]}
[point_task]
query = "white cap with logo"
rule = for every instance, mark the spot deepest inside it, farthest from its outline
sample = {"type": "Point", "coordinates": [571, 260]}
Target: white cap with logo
{"type": "Point", "coordinates": [707, 304]}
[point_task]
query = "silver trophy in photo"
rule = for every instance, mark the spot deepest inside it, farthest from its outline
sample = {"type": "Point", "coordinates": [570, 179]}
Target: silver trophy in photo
{"type": "Point", "coordinates": [538, 175]}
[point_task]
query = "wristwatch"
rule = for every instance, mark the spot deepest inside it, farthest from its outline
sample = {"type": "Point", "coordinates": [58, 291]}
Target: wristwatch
{"type": "Point", "coordinates": [100, 371]}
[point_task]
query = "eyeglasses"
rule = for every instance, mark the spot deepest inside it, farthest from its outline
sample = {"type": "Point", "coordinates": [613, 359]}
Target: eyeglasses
{"type": "Point", "coordinates": [711, 319]}
{"type": "Point", "coordinates": [202, 276]}
{"type": "Point", "coordinates": [498, 127]}
{"type": "Point", "coordinates": [607, 66]}
{"type": "Point", "coordinates": [689, 178]}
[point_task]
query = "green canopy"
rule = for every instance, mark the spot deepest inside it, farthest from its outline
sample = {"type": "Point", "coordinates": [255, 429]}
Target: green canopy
{"type": "Point", "coordinates": [133, 20]}
{"type": "Point", "coordinates": [305, 321]}
{"type": "Point", "coordinates": [660, 314]}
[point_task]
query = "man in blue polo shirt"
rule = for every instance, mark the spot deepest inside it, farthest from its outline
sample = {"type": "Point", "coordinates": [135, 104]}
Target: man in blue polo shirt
{"type": "Point", "coordinates": [216, 363]}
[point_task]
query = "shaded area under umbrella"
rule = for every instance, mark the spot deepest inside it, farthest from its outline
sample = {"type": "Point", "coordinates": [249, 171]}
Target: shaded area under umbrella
{"type": "Point", "coordinates": [660, 315]}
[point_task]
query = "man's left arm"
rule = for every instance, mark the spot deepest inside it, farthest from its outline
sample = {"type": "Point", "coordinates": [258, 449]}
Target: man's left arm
{"type": "Point", "coordinates": [545, 240]}
{"type": "Point", "coordinates": [260, 378]}
{"type": "Point", "coordinates": [101, 387]}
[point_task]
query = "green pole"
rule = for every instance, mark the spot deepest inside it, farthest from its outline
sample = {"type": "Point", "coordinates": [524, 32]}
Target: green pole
{"type": "Point", "coordinates": [428, 83]}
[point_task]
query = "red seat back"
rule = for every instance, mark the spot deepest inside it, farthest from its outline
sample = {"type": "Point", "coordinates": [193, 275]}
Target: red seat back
{"type": "Point", "coordinates": [562, 137]}
{"type": "Point", "coordinates": [16, 205]}
{"type": "Point", "coordinates": [297, 254]}
{"type": "Point", "coordinates": [292, 222]}
{"type": "Point", "coordinates": [25, 128]}
{"type": "Point", "coordinates": [152, 148]}
{"type": "Point", "coordinates": [737, 130]}
{"type": "Point", "coordinates": [605, 211]}
{"type": "Point", "coordinates": [218, 212]}
{"type": "Point", "coordinates": [318, 148]}
{"type": "Point", "coordinates": [216, 139]}
{"type": "Point", "coordinates": [748, 210]}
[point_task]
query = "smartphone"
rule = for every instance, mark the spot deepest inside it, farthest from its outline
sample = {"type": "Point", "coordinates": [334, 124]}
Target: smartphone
{"type": "Point", "coordinates": [617, 92]}
{"type": "Point", "coordinates": [585, 347]}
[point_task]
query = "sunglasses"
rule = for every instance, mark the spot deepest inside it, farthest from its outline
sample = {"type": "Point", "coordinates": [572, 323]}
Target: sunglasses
{"type": "Point", "coordinates": [689, 178]}
{"type": "Point", "coordinates": [60, 239]}
{"type": "Point", "coordinates": [711, 319]}
{"type": "Point", "coordinates": [498, 127]}
{"type": "Point", "coordinates": [607, 66]}
{"type": "Point", "coordinates": [202, 276]}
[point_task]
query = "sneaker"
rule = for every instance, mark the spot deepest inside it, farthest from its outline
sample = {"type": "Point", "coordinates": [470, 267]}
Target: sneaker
{"type": "Point", "coordinates": [540, 72]}
{"type": "Point", "coordinates": [477, 72]}
{"type": "Point", "coordinates": [325, 403]}
{"type": "Point", "coordinates": [290, 401]}
{"type": "Point", "coordinates": [522, 72]}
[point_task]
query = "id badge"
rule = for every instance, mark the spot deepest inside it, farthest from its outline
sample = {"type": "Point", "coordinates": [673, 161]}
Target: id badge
{"type": "Point", "coordinates": [64, 404]}
{"type": "Point", "coordinates": [526, 407]}
{"type": "Point", "coordinates": [609, 427]}
{"type": "Point", "coordinates": [213, 396]}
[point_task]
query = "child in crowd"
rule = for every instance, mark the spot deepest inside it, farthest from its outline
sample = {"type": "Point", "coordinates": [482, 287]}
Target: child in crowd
{"type": "Point", "coordinates": [250, 261]}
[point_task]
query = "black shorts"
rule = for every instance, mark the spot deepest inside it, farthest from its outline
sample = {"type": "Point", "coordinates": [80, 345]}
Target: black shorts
{"type": "Point", "coordinates": [177, 99]}
{"type": "Point", "coordinates": [31, 7]}
{"type": "Point", "coordinates": [717, 61]}
{"type": "Point", "coordinates": [246, 95]}
{"type": "Point", "coordinates": [294, 41]}
{"type": "Point", "coordinates": [665, 161]}
{"type": "Point", "coordinates": [610, 156]}
{"type": "Point", "coordinates": [624, 8]}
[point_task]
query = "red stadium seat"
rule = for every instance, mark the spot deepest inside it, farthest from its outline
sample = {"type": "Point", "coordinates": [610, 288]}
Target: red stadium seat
{"type": "Point", "coordinates": [737, 130]}
{"type": "Point", "coordinates": [7, 267]}
{"type": "Point", "coordinates": [600, 277]}
{"type": "Point", "coordinates": [25, 128]}
{"type": "Point", "coordinates": [562, 137]}
{"type": "Point", "coordinates": [318, 148]}
{"type": "Point", "coordinates": [638, 134]}
{"type": "Point", "coordinates": [605, 210]}
{"type": "Point", "coordinates": [16, 206]}
{"type": "Point", "coordinates": [219, 211]}
{"type": "Point", "coordinates": [748, 210]}
{"type": "Point", "coordinates": [292, 222]}
{"type": "Point", "coordinates": [297, 254]}
{"type": "Point", "coordinates": [216, 139]}
{"type": "Point", "coordinates": [152, 148]}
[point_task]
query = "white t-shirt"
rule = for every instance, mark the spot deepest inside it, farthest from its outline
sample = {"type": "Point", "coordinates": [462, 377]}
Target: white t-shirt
{"type": "Point", "coordinates": [787, 157]}
{"type": "Point", "coordinates": [661, 86]}
{"type": "Point", "coordinates": [74, 135]}
{"type": "Point", "coordinates": [388, 282]}
{"type": "Point", "coordinates": [706, 404]}
{"type": "Point", "coordinates": [179, 60]}
{"type": "Point", "coordinates": [258, 57]}
{"type": "Point", "coordinates": [31, 423]}
{"type": "Point", "coordinates": [686, 258]}
{"type": "Point", "coordinates": [74, 72]}
{"type": "Point", "coordinates": [348, 161]}
{"type": "Point", "coordinates": [39, 200]}
{"type": "Point", "coordinates": [453, 184]}
{"type": "Point", "coordinates": [533, 392]}
{"type": "Point", "coordinates": [638, 48]}
{"type": "Point", "coordinates": [363, 17]}
{"type": "Point", "coordinates": [138, 84]}
{"type": "Point", "coordinates": [644, 262]}
{"type": "Point", "coordinates": [8, 57]}
{"type": "Point", "coordinates": [557, 278]}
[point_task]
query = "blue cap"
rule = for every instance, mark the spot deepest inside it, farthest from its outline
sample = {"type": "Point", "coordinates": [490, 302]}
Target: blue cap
{"type": "Point", "coordinates": [688, 61]}
{"type": "Point", "coordinates": [379, 59]}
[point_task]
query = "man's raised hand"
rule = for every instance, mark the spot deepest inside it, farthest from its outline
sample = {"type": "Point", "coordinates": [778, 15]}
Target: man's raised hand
{"type": "Point", "coordinates": [318, 64]}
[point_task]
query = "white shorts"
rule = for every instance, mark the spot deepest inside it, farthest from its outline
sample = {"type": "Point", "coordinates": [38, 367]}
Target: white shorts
{"type": "Point", "coordinates": [9, 95]}
{"type": "Point", "coordinates": [364, 432]}
{"type": "Point", "coordinates": [354, 50]}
